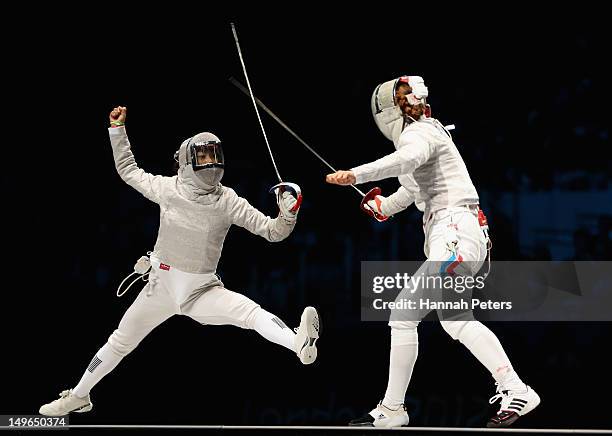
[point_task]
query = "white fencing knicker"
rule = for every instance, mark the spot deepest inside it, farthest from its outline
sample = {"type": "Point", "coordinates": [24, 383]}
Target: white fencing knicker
{"type": "Point", "coordinates": [172, 292]}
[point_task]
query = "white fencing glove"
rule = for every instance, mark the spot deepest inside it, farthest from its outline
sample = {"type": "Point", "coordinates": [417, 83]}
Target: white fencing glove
{"type": "Point", "coordinates": [371, 205]}
{"type": "Point", "coordinates": [288, 198]}
{"type": "Point", "coordinates": [379, 204]}
{"type": "Point", "coordinates": [381, 208]}
{"type": "Point", "coordinates": [385, 206]}
{"type": "Point", "coordinates": [288, 205]}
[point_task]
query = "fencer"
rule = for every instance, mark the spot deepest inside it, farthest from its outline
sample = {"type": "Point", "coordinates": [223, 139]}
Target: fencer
{"type": "Point", "coordinates": [432, 175]}
{"type": "Point", "coordinates": [196, 212]}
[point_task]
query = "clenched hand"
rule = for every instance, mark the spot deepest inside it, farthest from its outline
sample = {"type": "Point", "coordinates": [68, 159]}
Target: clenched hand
{"type": "Point", "coordinates": [118, 115]}
{"type": "Point", "coordinates": [343, 178]}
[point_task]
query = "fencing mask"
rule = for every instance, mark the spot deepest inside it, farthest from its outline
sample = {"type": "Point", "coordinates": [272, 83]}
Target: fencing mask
{"type": "Point", "coordinates": [201, 162]}
{"type": "Point", "coordinates": [387, 114]}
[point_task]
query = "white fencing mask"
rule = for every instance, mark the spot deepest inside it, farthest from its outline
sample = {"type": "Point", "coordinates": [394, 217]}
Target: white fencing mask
{"type": "Point", "coordinates": [387, 114]}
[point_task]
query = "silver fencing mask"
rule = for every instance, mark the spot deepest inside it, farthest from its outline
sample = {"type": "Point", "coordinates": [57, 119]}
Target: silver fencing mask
{"type": "Point", "coordinates": [201, 162]}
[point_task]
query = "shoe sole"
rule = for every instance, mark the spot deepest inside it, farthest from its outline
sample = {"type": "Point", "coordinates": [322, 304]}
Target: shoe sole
{"type": "Point", "coordinates": [511, 419]}
{"type": "Point", "coordinates": [308, 352]}
{"type": "Point", "coordinates": [85, 408]}
{"type": "Point", "coordinates": [373, 426]}
{"type": "Point", "coordinates": [392, 426]}
{"type": "Point", "coordinates": [535, 402]}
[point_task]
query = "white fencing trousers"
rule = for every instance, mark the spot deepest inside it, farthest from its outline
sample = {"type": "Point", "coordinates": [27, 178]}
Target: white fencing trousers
{"type": "Point", "coordinates": [162, 297]}
{"type": "Point", "coordinates": [462, 225]}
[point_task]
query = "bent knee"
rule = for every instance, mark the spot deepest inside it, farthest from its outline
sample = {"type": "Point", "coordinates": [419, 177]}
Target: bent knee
{"type": "Point", "coordinates": [250, 313]}
{"type": "Point", "coordinates": [121, 343]}
{"type": "Point", "coordinates": [404, 333]}
{"type": "Point", "coordinates": [403, 325]}
{"type": "Point", "coordinates": [240, 311]}
{"type": "Point", "coordinates": [465, 332]}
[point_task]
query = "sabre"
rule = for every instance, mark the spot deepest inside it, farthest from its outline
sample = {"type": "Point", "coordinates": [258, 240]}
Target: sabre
{"type": "Point", "coordinates": [366, 197]}
{"type": "Point", "coordinates": [281, 186]}
{"type": "Point", "coordinates": [239, 85]}
{"type": "Point", "coordinates": [250, 92]}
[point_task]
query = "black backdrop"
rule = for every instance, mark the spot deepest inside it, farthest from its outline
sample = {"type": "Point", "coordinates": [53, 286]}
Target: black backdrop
{"type": "Point", "coordinates": [72, 229]}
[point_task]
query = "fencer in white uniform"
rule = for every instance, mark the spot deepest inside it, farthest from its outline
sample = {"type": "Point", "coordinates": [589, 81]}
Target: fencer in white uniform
{"type": "Point", "coordinates": [432, 175]}
{"type": "Point", "coordinates": [196, 212]}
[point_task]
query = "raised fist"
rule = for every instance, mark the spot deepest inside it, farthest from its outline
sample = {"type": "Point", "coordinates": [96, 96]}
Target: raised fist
{"type": "Point", "coordinates": [118, 115]}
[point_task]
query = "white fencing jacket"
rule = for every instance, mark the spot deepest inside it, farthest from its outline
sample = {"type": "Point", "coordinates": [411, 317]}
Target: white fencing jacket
{"type": "Point", "coordinates": [193, 226]}
{"type": "Point", "coordinates": [428, 166]}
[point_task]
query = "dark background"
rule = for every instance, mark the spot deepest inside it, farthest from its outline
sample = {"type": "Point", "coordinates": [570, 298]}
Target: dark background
{"type": "Point", "coordinates": [73, 229]}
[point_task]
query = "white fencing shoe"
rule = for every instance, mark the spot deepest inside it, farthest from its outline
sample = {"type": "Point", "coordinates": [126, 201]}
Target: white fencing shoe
{"type": "Point", "coordinates": [513, 404]}
{"type": "Point", "coordinates": [306, 336]}
{"type": "Point", "coordinates": [382, 416]}
{"type": "Point", "coordinates": [66, 403]}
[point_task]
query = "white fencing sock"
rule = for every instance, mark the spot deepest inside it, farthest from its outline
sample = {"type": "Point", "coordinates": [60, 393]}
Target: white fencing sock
{"type": "Point", "coordinates": [273, 329]}
{"type": "Point", "coordinates": [103, 362]}
{"type": "Point", "coordinates": [485, 346]}
{"type": "Point", "coordinates": [404, 351]}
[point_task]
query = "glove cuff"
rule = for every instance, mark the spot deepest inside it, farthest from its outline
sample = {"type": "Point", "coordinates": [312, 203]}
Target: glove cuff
{"type": "Point", "coordinates": [288, 213]}
{"type": "Point", "coordinates": [390, 207]}
{"type": "Point", "coordinates": [289, 218]}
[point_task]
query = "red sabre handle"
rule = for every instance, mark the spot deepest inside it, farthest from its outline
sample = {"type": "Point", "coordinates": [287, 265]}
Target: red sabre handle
{"type": "Point", "coordinates": [372, 193]}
